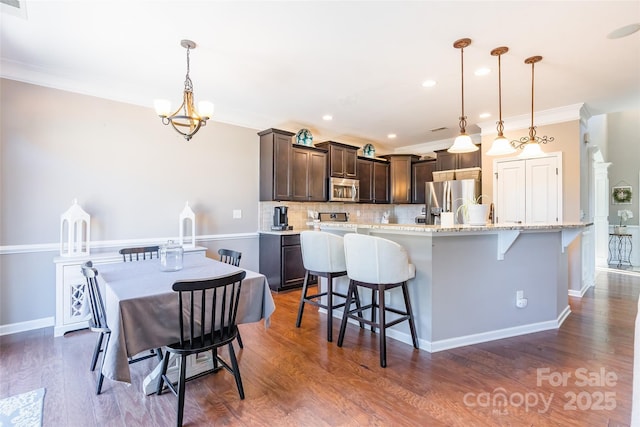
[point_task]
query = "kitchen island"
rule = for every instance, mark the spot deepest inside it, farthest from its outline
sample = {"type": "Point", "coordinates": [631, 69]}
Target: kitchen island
{"type": "Point", "coordinates": [468, 279]}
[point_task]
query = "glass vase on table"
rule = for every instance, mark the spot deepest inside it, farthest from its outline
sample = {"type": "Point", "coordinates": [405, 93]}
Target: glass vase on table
{"type": "Point", "coordinates": [171, 255]}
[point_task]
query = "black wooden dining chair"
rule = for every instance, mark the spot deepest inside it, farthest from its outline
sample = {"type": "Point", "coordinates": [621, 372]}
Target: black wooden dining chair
{"type": "Point", "coordinates": [207, 319]}
{"type": "Point", "coordinates": [142, 253]}
{"type": "Point", "coordinates": [138, 253]}
{"type": "Point", "coordinates": [98, 321]}
{"type": "Point", "coordinates": [229, 256]}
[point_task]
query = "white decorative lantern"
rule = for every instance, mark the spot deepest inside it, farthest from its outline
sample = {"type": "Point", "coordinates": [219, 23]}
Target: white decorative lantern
{"type": "Point", "coordinates": [186, 215]}
{"type": "Point", "coordinates": [77, 224]}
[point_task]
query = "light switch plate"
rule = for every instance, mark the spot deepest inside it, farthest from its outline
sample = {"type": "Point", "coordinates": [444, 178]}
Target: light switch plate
{"type": "Point", "coordinates": [237, 213]}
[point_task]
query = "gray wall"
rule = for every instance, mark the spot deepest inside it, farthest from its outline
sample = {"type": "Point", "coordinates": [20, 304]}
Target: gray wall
{"type": "Point", "coordinates": [131, 173]}
{"type": "Point", "coordinates": [624, 154]}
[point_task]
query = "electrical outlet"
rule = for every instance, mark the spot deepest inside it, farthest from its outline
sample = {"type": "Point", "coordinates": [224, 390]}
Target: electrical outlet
{"type": "Point", "coordinates": [521, 303]}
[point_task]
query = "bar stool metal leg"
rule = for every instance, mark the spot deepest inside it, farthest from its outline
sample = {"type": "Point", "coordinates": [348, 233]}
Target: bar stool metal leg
{"type": "Point", "coordinates": [382, 326]}
{"type": "Point", "coordinates": [407, 304]}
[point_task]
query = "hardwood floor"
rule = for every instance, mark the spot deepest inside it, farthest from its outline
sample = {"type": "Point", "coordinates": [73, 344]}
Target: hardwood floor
{"type": "Point", "coordinates": [293, 377]}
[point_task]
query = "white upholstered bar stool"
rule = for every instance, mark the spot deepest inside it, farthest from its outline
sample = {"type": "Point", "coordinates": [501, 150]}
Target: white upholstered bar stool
{"type": "Point", "coordinates": [323, 256]}
{"type": "Point", "coordinates": [378, 264]}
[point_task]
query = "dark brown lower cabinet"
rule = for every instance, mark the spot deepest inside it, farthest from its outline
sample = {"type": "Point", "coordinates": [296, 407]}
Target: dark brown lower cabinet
{"type": "Point", "coordinates": [281, 260]}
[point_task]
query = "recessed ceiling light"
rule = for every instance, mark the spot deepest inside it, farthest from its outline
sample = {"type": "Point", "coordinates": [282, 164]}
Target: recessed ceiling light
{"type": "Point", "coordinates": [428, 83]}
{"type": "Point", "coordinates": [485, 115]}
{"type": "Point", "coordinates": [327, 117]}
{"type": "Point", "coordinates": [391, 136]}
{"type": "Point", "coordinates": [482, 71]}
{"type": "Point", "coordinates": [625, 31]}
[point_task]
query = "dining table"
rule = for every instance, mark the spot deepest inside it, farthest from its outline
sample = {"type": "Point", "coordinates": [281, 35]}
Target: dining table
{"type": "Point", "coordinates": [142, 309]}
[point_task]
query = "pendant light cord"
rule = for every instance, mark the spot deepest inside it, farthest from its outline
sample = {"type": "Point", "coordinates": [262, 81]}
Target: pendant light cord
{"type": "Point", "coordinates": [500, 123]}
{"type": "Point", "coordinates": [499, 89]}
{"type": "Point", "coordinates": [462, 77]}
{"type": "Point", "coordinates": [532, 130]}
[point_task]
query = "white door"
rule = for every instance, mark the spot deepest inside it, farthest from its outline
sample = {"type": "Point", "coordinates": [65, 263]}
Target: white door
{"type": "Point", "coordinates": [528, 190]}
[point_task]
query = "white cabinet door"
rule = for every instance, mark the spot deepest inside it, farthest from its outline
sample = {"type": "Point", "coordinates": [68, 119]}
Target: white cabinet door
{"type": "Point", "coordinates": [541, 190]}
{"type": "Point", "coordinates": [528, 190]}
{"type": "Point", "coordinates": [509, 194]}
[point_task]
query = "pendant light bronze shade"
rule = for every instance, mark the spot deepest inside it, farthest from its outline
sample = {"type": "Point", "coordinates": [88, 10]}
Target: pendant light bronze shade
{"type": "Point", "coordinates": [463, 142]}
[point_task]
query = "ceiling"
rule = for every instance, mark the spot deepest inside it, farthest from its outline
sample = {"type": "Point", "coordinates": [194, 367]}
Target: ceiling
{"type": "Point", "coordinates": [286, 64]}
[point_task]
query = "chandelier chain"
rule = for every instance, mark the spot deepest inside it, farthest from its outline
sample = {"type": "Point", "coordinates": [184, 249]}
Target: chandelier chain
{"type": "Point", "coordinates": [188, 85]}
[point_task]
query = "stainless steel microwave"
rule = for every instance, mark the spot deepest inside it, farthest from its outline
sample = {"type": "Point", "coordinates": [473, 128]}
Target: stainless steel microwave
{"type": "Point", "coordinates": [344, 190]}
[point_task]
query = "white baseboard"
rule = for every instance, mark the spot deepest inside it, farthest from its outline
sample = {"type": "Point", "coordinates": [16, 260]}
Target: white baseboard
{"type": "Point", "coordinates": [447, 344]}
{"type": "Point", "coordinates": [580, 293]}
{"type": "Point", "coordinates": [29, 325]}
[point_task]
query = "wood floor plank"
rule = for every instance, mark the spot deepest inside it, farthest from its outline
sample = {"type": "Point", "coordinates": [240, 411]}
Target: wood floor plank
{"type": "Point", "coordinates": [294, 377]}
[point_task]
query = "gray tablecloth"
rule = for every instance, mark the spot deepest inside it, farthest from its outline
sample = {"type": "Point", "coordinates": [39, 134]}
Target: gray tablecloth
{"type": "Point", "coordinates": [142, 309]}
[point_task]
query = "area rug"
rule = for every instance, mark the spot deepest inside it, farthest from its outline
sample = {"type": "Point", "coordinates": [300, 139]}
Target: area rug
{"type": "Point", "coordinates": [22, 410]}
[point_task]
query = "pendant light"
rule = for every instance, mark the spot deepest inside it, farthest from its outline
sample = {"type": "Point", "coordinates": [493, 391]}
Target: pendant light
{"type": "Point", "coordinates": [530, 145]}
{"type": "Point", "coordinates": [501, 145]}
{"type": "Point", "coordinates": [463, 142]}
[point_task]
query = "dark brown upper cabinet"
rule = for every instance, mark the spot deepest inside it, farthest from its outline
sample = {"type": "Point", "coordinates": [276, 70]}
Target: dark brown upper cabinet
{"type": "Point", "coordinates": [374, 180]}
{"type": "Point", "coordinates": [449, 161]}
{"type": "Point", "coordinates": [400, 176]}
{"type": "Point", "coordinates": [342, 159]}
{"type": "Point", "coordinates": [275, 164]}
{"type": "Point", "coordinates": [422, 172]}
{"type": "Point", "coordinates": [308, 174]}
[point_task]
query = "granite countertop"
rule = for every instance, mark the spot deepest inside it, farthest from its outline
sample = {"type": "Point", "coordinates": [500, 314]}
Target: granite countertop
{"type": "Point", "coordinates": [422, 228]}
{"type": "Point", "coordinates": [282, 232]}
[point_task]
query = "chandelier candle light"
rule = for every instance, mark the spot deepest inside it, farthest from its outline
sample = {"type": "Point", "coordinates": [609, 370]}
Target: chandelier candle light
{"type": "Point", "coordinates": [463, 142]}
{"type": "Point", "coordinates": [186, 120]}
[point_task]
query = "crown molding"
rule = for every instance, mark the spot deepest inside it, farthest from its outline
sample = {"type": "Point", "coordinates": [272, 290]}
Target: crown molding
{"type": "Point", "coordinates": [430, 147]}
{"type": "Point", "coordinates": [545, 117]}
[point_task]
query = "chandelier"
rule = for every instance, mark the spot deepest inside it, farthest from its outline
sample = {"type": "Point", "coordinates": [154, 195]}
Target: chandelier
{"type": "Point", "coordinates": [186, 120]}
{"type": "Point", "coordinates": [463, 142]}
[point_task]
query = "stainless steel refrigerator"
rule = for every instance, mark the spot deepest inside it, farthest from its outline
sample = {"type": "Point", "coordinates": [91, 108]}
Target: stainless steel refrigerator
{"type": "Point", "coordinates": [448, 196]}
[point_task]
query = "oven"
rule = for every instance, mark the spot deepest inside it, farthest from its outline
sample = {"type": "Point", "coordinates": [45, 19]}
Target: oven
{"type": "Point", "coordinates": [344, 190]}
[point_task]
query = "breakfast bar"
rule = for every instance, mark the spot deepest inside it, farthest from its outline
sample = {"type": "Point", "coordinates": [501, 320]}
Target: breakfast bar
{"type": "Point", "coordinates": [477, 284]}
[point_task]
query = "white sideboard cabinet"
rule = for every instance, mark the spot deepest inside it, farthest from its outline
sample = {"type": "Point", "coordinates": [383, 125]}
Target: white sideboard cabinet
{"type": "Point", "coordinates": [70, 287]}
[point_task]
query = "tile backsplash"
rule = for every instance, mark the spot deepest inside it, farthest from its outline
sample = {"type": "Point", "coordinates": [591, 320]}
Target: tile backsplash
{"type": "Point", "coordinates": [364, 213]}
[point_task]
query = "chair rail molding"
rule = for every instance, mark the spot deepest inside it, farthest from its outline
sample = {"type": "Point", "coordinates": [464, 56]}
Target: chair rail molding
{"type": "Point", "coordinates": [110, 244]}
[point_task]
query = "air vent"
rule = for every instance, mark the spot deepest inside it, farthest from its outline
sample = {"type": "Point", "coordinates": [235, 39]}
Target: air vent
{"type": "Point", "coordinates": [438, 129]}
